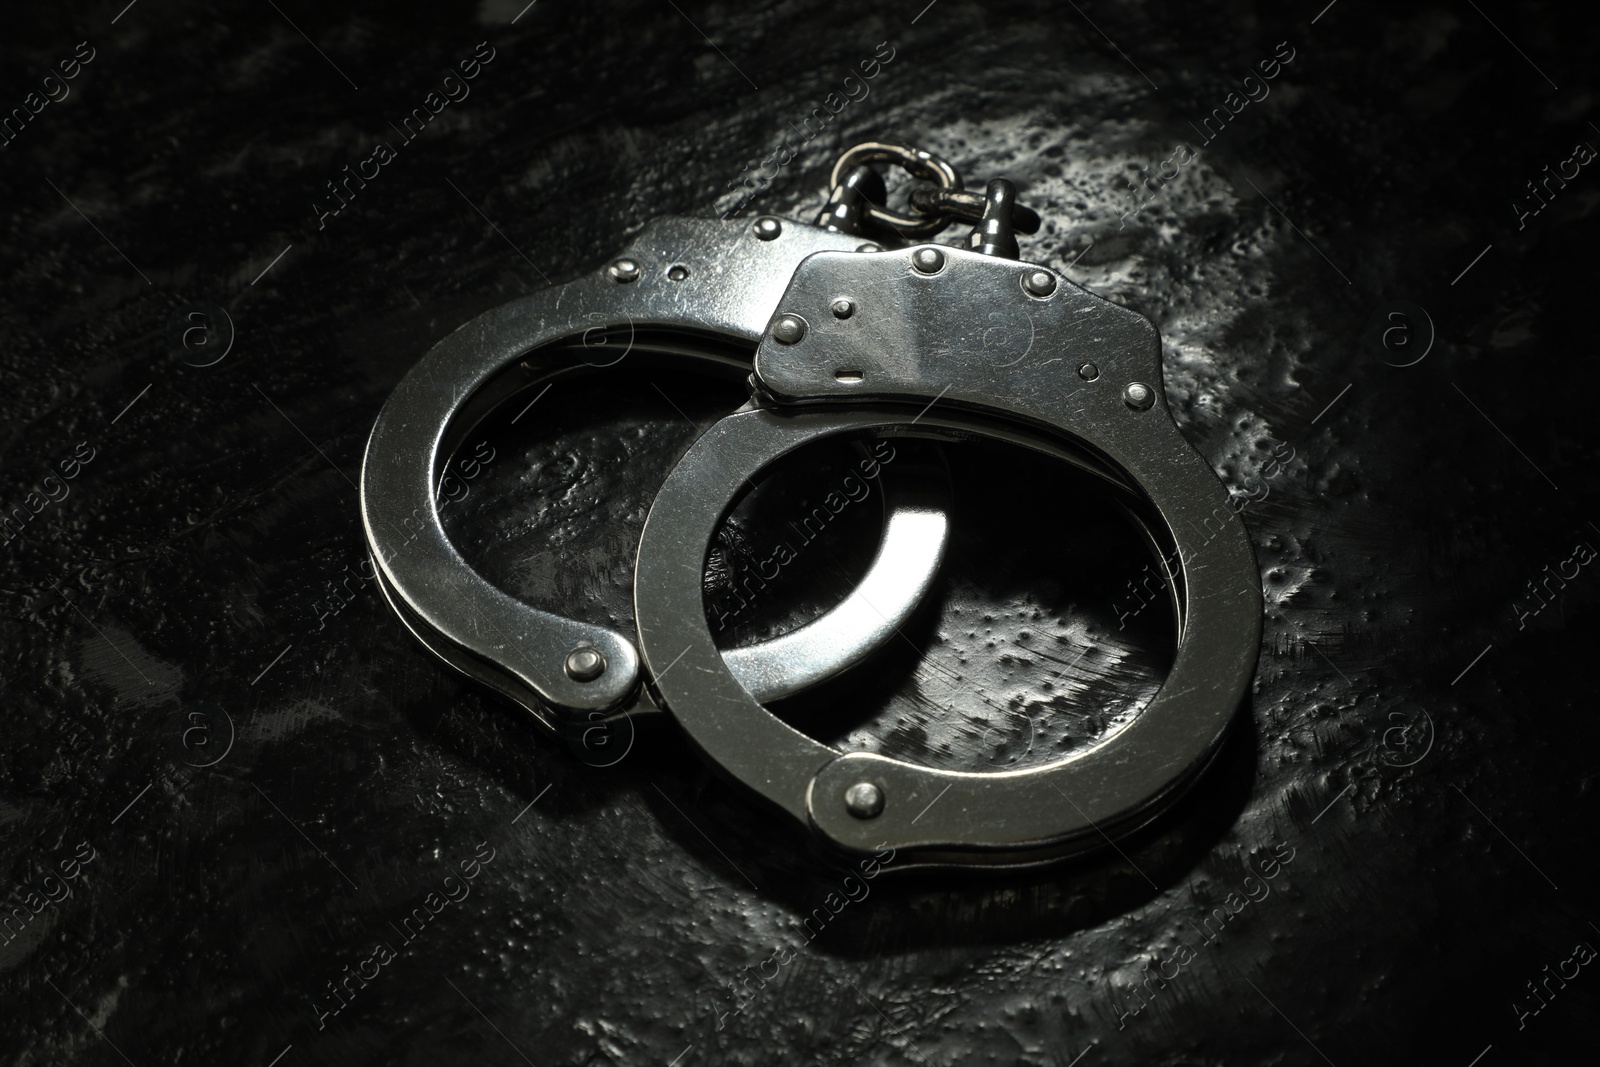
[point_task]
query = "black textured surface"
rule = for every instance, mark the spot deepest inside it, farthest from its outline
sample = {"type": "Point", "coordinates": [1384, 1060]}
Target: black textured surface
{"type": "Point", "coordinates": [176, 601]}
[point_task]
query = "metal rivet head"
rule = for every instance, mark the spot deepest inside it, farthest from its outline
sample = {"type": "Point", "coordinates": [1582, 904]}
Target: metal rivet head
{"type": "Point", "coordinates": [843, 308]}
{"type": "Point", "coordinates": [864, 800]}
{"type": "Point", "coordinates": [927, 260]}
{"type": "Point", "coordinates": [585, 663]}
{"type": "Point", "coordinates": [623, 271]}
{"type": "Point", "coordinates": [1138, 396]}
{"type": "Point", "coordinates": [678, 273]}
{"type": "Point", "coordinates": [788, 329]}
{"type": "Point", "coordinates": [1039, 283]}
{"type": "Point", "coordinates": [869, 247]}
{"type": "Point", "coordinates": [1088, 372]}
{"type": "Point", "coordinates": [768, 227]}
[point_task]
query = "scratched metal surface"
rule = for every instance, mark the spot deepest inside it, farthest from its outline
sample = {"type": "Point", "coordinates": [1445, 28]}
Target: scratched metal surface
{"type": "Point", "coordinates": [173, 582]}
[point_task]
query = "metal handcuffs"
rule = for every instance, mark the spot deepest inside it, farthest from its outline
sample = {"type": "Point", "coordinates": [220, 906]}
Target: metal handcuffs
{"type": "Point", "coordinates": [687, 290]}
{"type": "Point", "coordinates": [862, 342]}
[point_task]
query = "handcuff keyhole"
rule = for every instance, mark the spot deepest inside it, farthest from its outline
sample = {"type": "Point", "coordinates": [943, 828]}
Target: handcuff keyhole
{"type": "Point", "coordinates": [848, 377]}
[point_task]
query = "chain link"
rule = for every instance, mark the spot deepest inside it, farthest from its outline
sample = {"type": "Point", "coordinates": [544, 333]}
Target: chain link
{"type": "Point", "coordinates": [936, 206]}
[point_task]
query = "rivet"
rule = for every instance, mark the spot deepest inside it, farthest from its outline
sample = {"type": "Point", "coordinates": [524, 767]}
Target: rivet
{"type": "Point", "coordinates": [1138, 396]}
{"type": "Point", "coordinates": [585, 663]}
{"type": "Point", "coordinates": [768, 227]}
{"type": "Point", "coordinates": [927, 260]}
{"type": "Point", "coordinates": [864, 800]}
{"type": "Point", "coordinates": [678, 273]}
{"type": "Point", "coordinates": [788, 329]}
{"type": "Point", "coordinates": [1088, 372]}
{"type": "Point", "coordinates": [1039, 283]}
{"type": "Point", "coordinates": [624, 271]}
{"type": "Point", "coordinates": [869, 247]}
{"type": "Point", "coordinates": [843, 308]}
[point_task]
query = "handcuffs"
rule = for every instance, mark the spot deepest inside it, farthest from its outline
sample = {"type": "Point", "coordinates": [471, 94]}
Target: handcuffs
{"type": "Point", "coordinates": [850, 340]}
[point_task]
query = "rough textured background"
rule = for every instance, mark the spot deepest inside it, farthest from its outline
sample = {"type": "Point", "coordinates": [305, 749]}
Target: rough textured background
{"type": "Point", "coordinates": [175, 604]}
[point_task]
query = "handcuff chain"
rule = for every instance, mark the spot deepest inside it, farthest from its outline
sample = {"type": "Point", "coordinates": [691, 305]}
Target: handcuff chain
{"type": "Point", "coordinates": [857, 193]}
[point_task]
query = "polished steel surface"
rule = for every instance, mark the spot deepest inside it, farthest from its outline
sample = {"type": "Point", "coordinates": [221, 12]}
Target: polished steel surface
{"type": "Point", "coordinates": [916, 531]}
{"type": "Point", "coordinates": [709, 278]}
{"type": "Point", "coordinates": [953, 349]}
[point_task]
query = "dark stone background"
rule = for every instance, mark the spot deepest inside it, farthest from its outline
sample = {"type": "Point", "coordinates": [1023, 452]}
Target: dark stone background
{"type": "Point", "coordinates": [144, 610]}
